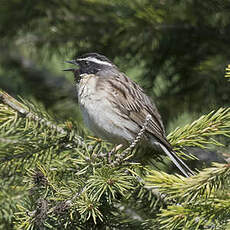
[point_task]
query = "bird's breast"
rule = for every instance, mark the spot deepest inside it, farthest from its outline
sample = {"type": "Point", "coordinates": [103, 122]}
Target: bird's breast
{"type": "Point", "coordinates": [99, 114]}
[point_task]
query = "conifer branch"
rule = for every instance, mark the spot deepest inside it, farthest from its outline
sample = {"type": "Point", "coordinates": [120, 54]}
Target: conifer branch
{"type": "Point", "coordinates": [24, 112]}
{"type": "Point", "coordinates": [202, 131]}
{"type": "Point", "coordinates": [211, 213]}
{"type": "Point", "coordinates": [83, 187]}
{"type": "Point", "coordinates": [201, 200]}
{"type": "Point", "coordinates": [204, 184]}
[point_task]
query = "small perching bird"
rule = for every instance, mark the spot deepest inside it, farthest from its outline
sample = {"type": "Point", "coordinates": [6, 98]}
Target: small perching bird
{"type": "Point", "coordinates": [114, 107]}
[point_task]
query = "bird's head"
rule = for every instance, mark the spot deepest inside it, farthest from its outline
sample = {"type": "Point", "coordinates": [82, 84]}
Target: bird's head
{"type": "Point", "coordinates": [89, 63]}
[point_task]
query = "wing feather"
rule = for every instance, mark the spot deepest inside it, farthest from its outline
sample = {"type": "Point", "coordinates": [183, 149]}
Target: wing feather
{"type": "Point", "coordinates": [135, 104]}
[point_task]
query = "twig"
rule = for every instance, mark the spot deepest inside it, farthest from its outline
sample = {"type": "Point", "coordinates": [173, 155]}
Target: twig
{"type": "Point", "coordinates": [20, 108]}
{"type": "Point", "coordinates": [133, 144]}
{"type": "Point", "coordinates": [7, 140]}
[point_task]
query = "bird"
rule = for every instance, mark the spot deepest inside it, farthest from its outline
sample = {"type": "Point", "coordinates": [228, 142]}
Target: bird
{"type": "Point", "coordinates": [114, 107]}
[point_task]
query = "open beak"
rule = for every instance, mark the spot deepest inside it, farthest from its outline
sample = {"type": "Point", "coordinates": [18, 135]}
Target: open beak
{"type": "Point", "coordinates": [71, 62]}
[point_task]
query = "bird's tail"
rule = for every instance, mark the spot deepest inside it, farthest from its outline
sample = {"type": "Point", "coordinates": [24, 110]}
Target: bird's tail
{"type": "Point", "coordinates": [177, 161]}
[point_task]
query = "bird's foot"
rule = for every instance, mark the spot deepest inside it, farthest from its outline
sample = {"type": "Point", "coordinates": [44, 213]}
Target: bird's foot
{"type": "Point", "coordinates": [113, 151]}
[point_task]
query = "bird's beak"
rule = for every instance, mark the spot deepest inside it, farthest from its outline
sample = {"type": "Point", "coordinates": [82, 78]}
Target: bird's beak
{"type": "Point", "coordinates": [71, 62]}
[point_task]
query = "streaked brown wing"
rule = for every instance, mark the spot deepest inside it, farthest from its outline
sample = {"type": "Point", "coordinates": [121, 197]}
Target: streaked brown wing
{"type": "Point", "coordinates": [133, 102]}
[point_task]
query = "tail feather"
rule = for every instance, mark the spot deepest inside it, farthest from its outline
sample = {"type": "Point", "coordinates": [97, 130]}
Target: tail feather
{"type": "Point", "coordinates": [178, 162]}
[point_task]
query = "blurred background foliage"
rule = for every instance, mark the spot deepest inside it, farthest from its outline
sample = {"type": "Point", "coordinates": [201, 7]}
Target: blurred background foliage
{"type": "Point", "coordinates": [176, 50]}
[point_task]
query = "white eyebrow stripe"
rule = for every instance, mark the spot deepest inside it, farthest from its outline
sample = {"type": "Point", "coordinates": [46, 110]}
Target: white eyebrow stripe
{"type": "Point", "coordinates": [95, 60]}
